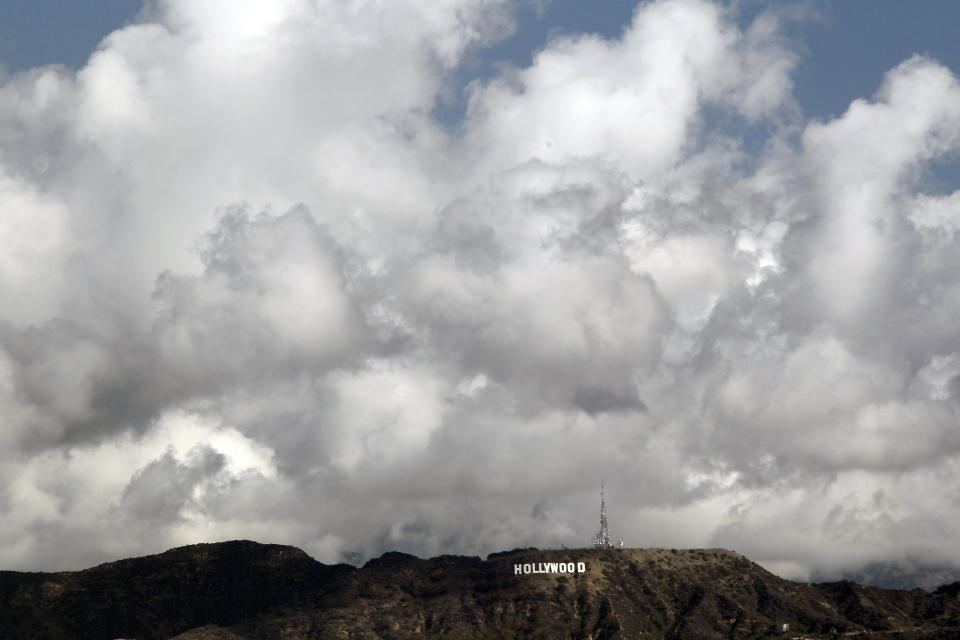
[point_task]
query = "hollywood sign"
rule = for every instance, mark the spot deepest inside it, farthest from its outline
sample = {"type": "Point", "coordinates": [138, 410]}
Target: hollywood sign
{"type": "Point", "coordinates": [549, 567]}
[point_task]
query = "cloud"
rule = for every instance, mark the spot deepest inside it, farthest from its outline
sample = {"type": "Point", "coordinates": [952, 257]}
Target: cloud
{"type": "Point", "coordinates": [528, 287]}
{"type": "Point", "coordinates": [636, 102]}
{"type": "Point", "coordinates": [859, 177]}
{"type": "Point", "coordinates": [271, 300]}
{"type": "Point", "coordinates": [157, 493]}
{"type": "Point", "coordinates": [252, 288]}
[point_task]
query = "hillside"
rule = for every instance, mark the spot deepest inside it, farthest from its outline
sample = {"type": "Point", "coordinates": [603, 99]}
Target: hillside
{"type": "Point", "coordinates": [248, 591]}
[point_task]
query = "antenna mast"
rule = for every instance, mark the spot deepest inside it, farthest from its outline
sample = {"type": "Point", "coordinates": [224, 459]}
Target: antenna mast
{"type": "Point", "coordinates": [602, 539]}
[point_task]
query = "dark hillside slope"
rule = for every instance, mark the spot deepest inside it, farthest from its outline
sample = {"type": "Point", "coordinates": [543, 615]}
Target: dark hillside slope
{"type": "Point", "coordinates": [161, 595]}
{"type": "Point", "coordinates": [248, 591]}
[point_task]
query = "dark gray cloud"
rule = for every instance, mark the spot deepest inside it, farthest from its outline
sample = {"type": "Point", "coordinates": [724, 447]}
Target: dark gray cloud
{"type": "Point", "coordinates": [254, 291]}
{"type": "Point", "coordinates": [158, 493]}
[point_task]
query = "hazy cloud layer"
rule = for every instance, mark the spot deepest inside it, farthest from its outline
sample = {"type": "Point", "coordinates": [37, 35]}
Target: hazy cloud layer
{"type": "Point", "coordinates": [250, 287]}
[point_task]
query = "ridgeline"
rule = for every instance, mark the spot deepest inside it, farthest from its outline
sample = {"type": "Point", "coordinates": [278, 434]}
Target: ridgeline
{"type": "Point", "coordinates": [243, 590]}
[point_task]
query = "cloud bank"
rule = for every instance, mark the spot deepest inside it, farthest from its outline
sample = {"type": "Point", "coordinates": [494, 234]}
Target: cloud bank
{"type": "Point", "coordinates": [250, 286]}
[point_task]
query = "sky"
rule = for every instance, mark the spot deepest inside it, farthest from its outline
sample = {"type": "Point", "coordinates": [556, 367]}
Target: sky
{"type": "Point", "coordinates": [419, 276]}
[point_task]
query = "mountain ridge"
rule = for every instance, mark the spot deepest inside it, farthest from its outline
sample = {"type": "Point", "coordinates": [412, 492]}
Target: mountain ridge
{"type": "Point", "coordinates": [244, 590]}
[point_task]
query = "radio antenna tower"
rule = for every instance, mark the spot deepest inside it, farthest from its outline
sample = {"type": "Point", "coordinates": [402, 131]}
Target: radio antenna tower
{"type": "Point", "coordinates": [602, 539]}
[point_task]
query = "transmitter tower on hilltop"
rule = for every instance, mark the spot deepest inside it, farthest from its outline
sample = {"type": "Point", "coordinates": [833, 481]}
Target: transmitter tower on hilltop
{"type": "Point", "coordinates": [602, 539]}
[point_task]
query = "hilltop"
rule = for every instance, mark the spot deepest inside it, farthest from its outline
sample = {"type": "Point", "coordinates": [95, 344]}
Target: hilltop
{"type": "Point", "coordinates": [243, 590]}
